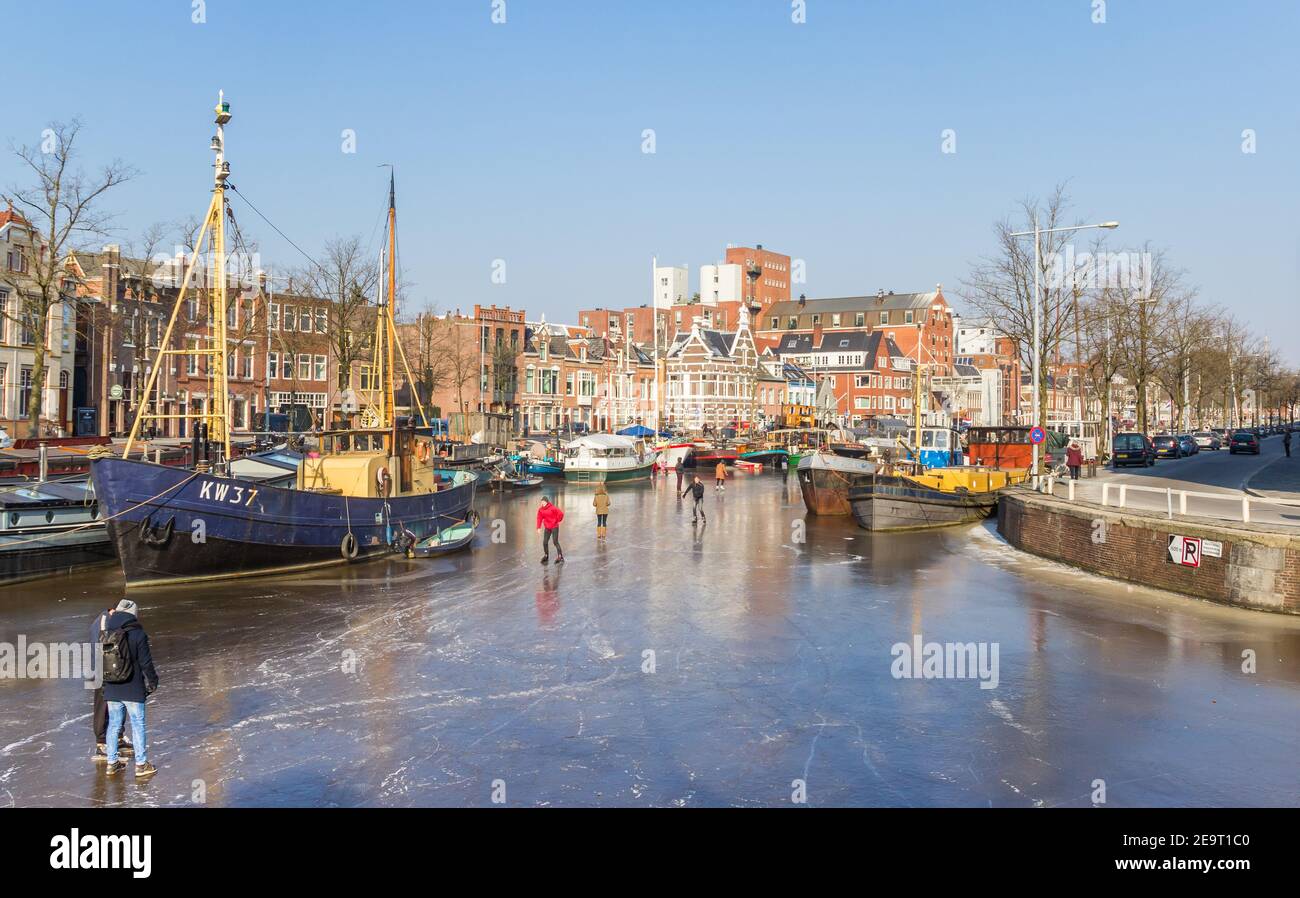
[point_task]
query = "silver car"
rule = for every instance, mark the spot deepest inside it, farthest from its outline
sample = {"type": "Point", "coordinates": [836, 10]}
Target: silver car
{"type": "Point", "coordinates": [1208, 440]}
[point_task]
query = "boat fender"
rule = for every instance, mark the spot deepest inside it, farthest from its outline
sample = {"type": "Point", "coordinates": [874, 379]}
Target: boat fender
{"type": "Point", "coordinates": [385, 482]}
{"type": "Point", "coordinates": [349, 546]}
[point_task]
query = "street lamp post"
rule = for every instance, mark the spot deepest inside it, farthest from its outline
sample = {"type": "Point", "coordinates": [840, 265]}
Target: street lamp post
{"type": "Point", "coordinates": [1037, 233]}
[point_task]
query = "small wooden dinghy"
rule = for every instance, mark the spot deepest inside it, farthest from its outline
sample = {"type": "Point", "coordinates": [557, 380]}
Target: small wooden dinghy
{"type": "Point", "coordinates": [445, 541]}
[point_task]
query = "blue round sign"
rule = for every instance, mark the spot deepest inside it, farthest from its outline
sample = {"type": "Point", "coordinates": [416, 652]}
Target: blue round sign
{"type": "Point", "coordinates": [1037, 435]}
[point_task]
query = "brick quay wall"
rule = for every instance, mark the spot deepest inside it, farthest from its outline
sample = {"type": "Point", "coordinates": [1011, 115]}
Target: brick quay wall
{"type": "Point", "coordinates": [1258, 568]}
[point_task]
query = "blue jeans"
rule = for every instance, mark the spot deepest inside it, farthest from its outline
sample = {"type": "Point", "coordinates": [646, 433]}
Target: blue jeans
{"type": "Point", "coordinates": [115, 720]}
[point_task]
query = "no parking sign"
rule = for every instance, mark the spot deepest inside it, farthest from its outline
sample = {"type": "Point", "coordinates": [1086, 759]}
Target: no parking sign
{"type": "Point", "coordinates": [1037, 435]}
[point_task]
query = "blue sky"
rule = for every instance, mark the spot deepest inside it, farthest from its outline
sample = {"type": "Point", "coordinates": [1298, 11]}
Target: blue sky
{"type": "Point", "coordinates": [522, 141]}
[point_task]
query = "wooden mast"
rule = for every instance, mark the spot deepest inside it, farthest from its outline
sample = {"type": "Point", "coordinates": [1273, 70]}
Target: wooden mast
{"type": "Point", "coordinates": [390, 323]}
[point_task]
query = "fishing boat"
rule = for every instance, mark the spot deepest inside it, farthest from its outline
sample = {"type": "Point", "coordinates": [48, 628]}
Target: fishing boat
{"type": "Point", "coordinates": [825, 479]}
{"type": "Point", "coordinates": [365, 490]}
{"type": "Point", "coordinates": [607, 458]}
{"type": "Point", "coordinates": [50, 527]}
{"type": "Point", "coordinates": [671, 454]}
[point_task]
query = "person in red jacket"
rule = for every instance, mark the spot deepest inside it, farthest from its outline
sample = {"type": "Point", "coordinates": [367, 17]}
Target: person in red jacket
{"type": "Point", "coordinates": [1074, 460]}
{"type": "Point", "coordinates": [549, 516]}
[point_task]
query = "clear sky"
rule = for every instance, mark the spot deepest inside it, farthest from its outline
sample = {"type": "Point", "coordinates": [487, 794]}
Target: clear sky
{"type": "Point", "coordinates": [523, 141]}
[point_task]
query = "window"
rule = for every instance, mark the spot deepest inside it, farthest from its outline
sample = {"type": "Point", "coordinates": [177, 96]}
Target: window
{"type": "Point", "coordinates": [247, 359]}
{"type": "Point", "coordinates": [192, 308]}
{"type": "Point", "coordinates": [907, 317]}
{"type": "Point", "coordinates": [320, 362]}
{"type": "Point", "coordinates": [884, 317]}
{"type": "Point", "coordinates": [272, 365]}
{"type": "Point", "coordinates": [368, 380]}
{"type": "Point", "coordinates": [4, 317]}
{"type": "Point", "coordinates": [273, 317]}
{"type": "Point", "coordinates": [304, 319]}
{"type": "Point", "coordinates": [860, 319]}
{"type": "Point", "coordinates": [817, 319]}
{"type": "Point", "coordinates": [4, 393]}
{"type": "Point", "coordinates": [322, 320]}
{"type": "Point", "coordinates": [192, 361]}
{"type": "Point", "coordinates": [288, 318]}
{"type": "Point", "coordinates": [835, 320]}
{"type": "Point", "coordinates": [304, 366]}
{"type": "Point", "coordinates": [24, 391]}
{"type": "Point", "coordinates": [793, 322]}
{"type": "Point", "coordinates": [776, 322]}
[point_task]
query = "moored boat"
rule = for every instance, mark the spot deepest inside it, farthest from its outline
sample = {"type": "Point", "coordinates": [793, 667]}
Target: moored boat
{"type": "Point", "coordinates": [50, 528]}
{"type": "Point", "coordinates": [825, 479]}
{"type": "Point", "coordinates": [447, 540]}
{"type": "Point", "coordinates": [607, 458]}
{"type": "Point", "coordinates": [367, 491]}
{"type": "Point", "coordinates": [940, 497]}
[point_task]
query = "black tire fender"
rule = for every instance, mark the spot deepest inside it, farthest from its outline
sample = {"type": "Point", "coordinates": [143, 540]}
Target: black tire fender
{"type": "Point", "coordinates": [349, 546]}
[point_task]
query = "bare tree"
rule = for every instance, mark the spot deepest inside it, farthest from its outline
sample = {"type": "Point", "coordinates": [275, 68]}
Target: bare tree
{"type": "Point", "coordinates": [1001, 286]}
{"type": "Point", "coordinates": [62, 206]}
{"type": "Point", "coordinates": [347, 276]}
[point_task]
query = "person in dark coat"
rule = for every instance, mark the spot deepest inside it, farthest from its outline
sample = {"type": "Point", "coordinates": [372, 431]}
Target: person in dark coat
{"type": "Point", "coordinates": [99, 709]}
{"type": "Point", "coordinates": [696, 489]}
{"type": "Point", "coordinates": [128, 699]}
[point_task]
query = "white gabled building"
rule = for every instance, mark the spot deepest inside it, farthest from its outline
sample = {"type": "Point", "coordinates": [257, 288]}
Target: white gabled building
{"type": "Point", "coordinates": [712, 377]}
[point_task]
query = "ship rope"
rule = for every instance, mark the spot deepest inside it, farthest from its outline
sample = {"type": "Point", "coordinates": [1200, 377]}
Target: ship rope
{"type": "Point", "coordinates": [89, 524]}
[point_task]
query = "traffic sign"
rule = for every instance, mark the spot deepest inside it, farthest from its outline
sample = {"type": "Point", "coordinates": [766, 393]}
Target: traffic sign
{"type": "Point", "coordinates": [1185, 550]}
{"type": "Point", "coordinates": [1037, 435]}
{"type": "Point", "coordinates": [115, 392]}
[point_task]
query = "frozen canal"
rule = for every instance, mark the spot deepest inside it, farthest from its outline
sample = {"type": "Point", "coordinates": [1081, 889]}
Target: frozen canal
{"type": "Point", "coordinates": [771, 663]}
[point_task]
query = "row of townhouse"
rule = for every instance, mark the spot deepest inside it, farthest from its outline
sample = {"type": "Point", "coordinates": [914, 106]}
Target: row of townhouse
{"type": "Point", "coordinates": [281, 348]}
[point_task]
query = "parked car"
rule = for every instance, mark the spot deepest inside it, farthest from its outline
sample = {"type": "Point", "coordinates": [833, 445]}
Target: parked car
{"type": "Point", "coordinates": [1243, 441]}
{"type": "Point", "coordinates": [1188, 444]}
{"type": "Point", "coordinates": [1131, 449]}
{"type": "Point", "coordinates": [1208, 439]}
{"type": "Point", "coordinates": [1167, 446]}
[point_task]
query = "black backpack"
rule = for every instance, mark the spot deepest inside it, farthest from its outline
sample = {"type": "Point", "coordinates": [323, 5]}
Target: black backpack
{"type": "Point", "coordinates": [115, 656]}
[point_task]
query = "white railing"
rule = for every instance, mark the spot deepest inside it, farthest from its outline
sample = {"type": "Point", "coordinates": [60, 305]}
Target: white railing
{"type": "Point", "coordinates": [1242, 500]}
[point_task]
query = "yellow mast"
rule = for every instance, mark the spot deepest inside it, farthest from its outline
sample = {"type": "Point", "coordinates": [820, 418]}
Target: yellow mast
{"type": "Point", "coordinates": [214, 228]}
{"type": "Point", "coordinates": [390, 322]}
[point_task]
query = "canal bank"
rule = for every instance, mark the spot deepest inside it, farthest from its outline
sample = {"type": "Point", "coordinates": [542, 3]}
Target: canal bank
{"type": "Point", "coordinates": [1246, 565]}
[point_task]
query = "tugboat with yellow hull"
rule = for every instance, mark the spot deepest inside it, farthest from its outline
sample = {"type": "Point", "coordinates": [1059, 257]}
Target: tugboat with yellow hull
{"type": "Point", "coordinates": [368, 491]}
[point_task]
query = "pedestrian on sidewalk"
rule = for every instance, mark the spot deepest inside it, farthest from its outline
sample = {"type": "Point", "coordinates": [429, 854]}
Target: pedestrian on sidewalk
{"type": "Point", "coordinates": [696, 489]}
{"type": "Point", "coordinates": [1074, 459]}
{"type": "Point", "coordinates": [129, 679]}
{"type": "Point", "coordinates": [720, 476]}
{"type": "Point", "coordinates": [601, 503]}
{"type": "Point", "coordinates": [549, 516]}
{"type": "Point", "coordinates": [99, 706]}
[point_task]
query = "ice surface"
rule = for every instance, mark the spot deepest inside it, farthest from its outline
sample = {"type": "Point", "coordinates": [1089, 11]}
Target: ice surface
{"type": "Point", "coordinates": [772, 664]}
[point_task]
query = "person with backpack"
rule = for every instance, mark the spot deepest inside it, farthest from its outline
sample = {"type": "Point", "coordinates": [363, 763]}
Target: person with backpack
{"type": "Point", "coordinates": [129, 679]}
{"type": "Point", "coordinates": [549, 516]}
{"type": "Point", "coordinates": [99, 707]}
{"type": "Point", "coordinates": [601, 504]}
{"type": "Point", "coordinates": [696, 489]}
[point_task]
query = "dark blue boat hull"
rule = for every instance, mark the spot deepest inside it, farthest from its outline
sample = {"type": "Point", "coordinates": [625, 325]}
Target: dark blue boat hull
{"type": "Point", "coordinates": [172, 525]}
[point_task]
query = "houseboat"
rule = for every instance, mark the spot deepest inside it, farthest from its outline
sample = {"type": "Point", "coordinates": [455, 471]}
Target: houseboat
{"type": "Point", "coordinates": [607, 458]}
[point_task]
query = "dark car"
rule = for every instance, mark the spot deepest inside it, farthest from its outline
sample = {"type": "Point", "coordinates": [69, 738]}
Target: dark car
{"type": "Point", "coordinates": [1167, 446]}
{"type": "Point", "coordinates": [1132, 449]}
{"type": "Point", "coordinates": [1243, 441]}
